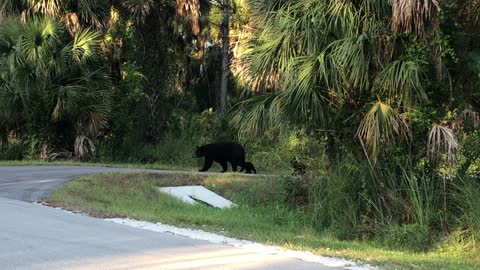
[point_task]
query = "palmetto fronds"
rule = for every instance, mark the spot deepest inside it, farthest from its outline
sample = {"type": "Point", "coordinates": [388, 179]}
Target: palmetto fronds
{"type": "Point", "coordinates": [140, 9]}
{"type": "Point", "coordinates": [191, 10]}
{"type": "Point", "coordinates": [351, 57]}
{"type": "Point", "coordinates": [314, 47]}
{"type": "Point", "coordinates": [255, 115]}
{"type": "Point", "coordinates": [466, 117]}
{"type": "Point", "coordinates": [379, 127]}
{"type": "Point", "coordinates": [410, 15]}
{"type": "Point", "coordinates": [73, 13]}
{"type": "Point", "coordinates": [377, 8]}
{"type": "Point", "coordinates": [47, 7]}
{"type": "Point", "coordinates": [83, 146]}
{"type": "Point", "coordinates": [44, 73]}
{"type": "Point", "coordinates": [471, 11]}
{"type": "Point", "coordinates": [442, 141]}
{"type": "Point", "coordinates": [93, 12]}
{"type": "Point", "coordinates": [402, 80]}
{"type": "Point", "coordinates": [85, 45]}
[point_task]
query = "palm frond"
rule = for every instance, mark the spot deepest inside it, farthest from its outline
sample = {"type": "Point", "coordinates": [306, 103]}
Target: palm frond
{"type": "Point", "coordinates": [471, 11]}
{"type": "Point", "coordinates": [379, 127]}
{"type": "Point", "coordinates": [442, 141]}
{"type": "Point", "coordinates": [93, 12]}
{"type": "Point", "coordinates": [255, 115]}
{"type": "Point", "coordinates": [410, 15]}
{"type": "Point", "coordinates": [42, 73]}
{"type": "Point", "coordinates": [140, 9]}
{"type": "Point", "coordinates": [467, 116]}
{"type": "Point", "coordinates": [46, 7]}
{"type": "Point", "coordinates": [83, 146]}
{"type": "Point", "coordinates": [91, 118]}
{"type": "Point", "coordinates": [377, 8]}
{"type": "Point", "coordinates": [39, 39]}
{"type": "Point", "coordinates": [9, 35]}
{"type": "Point", "coordinates": [343, 18]}
{"type": "Point", "coordinates": [351, 57]}
{"type": "Point", "coordinates": [402, 80]}
{"type": "Point", "coordinates": [190, 9]}
{"type": "Point", "coordinates": [9, 7]}
{"type": "Point", "coordinates": [66, 99]}
{"type": "Point", "coordinates": [85, 45]}
{"type": "Point", "coordinates": [12, 102]}
{"type": "Point", "coordinates": [302, 105]}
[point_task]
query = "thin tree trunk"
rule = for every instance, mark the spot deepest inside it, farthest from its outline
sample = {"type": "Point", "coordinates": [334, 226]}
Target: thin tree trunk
{"type": "Point", "coordinates": [225, 57]}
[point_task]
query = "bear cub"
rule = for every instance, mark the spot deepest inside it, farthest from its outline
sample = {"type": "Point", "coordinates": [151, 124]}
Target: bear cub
{"type": "Point", "coordinates": [224, 153]}
{"type": "Point", "coordinates": [249, 168]}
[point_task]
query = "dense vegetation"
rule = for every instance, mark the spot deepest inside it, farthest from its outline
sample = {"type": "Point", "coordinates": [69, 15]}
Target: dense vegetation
{"type": "Point", "coordinates": [377, 100]}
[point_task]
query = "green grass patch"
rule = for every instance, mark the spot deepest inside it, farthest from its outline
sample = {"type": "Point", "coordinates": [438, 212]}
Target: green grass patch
{"type": "Point", "coordinates": [263, 215]}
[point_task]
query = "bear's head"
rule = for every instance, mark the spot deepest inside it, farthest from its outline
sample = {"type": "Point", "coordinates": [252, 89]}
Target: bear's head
{"type": "Point", "coordinates": [199, 152]}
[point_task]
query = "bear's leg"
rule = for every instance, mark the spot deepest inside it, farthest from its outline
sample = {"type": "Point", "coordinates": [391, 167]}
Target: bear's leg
{"type": "Point", "coordinates": [234, 166]}
{"type": "Point", "coordinates": [208, 163]}
{"type": "Point", "coordinates": [252, 168]}
{"type": "Point", "coordinates": [244, 167]}
{"type": "Point", "coordinates": [224, 166]}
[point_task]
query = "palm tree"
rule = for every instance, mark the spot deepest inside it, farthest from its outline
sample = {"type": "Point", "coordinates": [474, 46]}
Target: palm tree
{"type": "Point", "coordinates": [325, 61]}
{"type": "Point", "coordinates": [74, 14]}
{"type": "Point", "coordinates": [49, 80]}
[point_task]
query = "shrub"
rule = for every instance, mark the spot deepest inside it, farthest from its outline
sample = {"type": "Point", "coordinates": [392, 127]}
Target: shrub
{"type": "Point", "coordinates": [414, 237]}
{"type": "Point", "coordinates": [467, 194]}
{"type": "Point", "coordinates": [11, 152]}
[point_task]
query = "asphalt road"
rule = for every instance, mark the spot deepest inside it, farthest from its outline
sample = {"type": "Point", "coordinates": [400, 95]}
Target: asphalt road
{"type": "Point", "coordinates": [36, 237]}
{"type": "Point", "coordinates": [32, 183]}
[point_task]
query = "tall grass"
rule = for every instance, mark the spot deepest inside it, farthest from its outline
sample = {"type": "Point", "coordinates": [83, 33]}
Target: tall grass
{"type": "Point", "coordinates": [467, 195]}
{"type": "Point", "coordinates": [335, 199]}
{"type": "Point", "coordinates": [396, 204]}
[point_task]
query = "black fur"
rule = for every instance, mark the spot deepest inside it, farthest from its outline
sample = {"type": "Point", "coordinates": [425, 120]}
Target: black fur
{"type": "Point", "coordinates": [249, 168]}
{"type": "Point", "coordinates": [221, 153]}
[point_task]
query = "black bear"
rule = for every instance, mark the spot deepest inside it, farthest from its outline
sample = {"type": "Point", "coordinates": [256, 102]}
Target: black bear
{"type": "Point", "coordinates": [221, 153]}
{"type": "Point", "coordinates": [248, 167]}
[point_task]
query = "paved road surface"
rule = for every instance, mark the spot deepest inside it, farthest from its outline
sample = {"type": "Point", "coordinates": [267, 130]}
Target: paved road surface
{"type": "Point", "coordinates": [35, 237]}
{"type": "Point", "coordinates": [32, 183]}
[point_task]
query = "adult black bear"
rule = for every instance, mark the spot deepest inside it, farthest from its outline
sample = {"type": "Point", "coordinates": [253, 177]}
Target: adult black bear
{"type": "Point", "coordinates": [221, 153]}
{"type": "Point", "coordinates": [248, 167]}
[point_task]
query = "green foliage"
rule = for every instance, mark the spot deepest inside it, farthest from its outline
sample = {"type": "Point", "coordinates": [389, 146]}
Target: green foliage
{"type": "Point", "coordinates": [378, 100]}
{"type": "Point", "coordinates": [335, 198]}
{"type": "Point", "coordinates": [380, 126]}
{"type": "Point", "coordinates": [53, 86]}
{"type": "Point", "coordinates": [403, 80]}
{"type": "Point", "coordinates": [408, 236]}
{"type": "Point", "coordinates": [11, 152]}
{"type": "Point", "coordinates": [467, 192]}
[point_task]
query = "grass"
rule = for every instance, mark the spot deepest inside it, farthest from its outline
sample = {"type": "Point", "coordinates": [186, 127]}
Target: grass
{"type": "Point", "coordinates": [262, 216]}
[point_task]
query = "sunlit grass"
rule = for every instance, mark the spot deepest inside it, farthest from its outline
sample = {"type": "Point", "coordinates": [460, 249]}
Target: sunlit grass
{"type": "Point", "coordinates": [261, 216]}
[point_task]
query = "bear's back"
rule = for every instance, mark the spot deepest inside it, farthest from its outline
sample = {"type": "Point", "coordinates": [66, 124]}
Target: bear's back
{"type": "Point", "coordinates": [224, 151]}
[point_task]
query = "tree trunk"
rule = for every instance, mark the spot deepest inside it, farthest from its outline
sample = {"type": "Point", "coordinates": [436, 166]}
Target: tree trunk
{"type": "Point", "coordinates": [225, 30]}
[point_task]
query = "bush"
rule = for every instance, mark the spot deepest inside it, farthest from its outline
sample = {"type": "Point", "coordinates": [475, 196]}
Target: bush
{"type": "Point", "coordinates": [414, 237]}
{"type": "Point", "coordinates": [11, 152]}
{"type": "Point", "coordinates": [336, 199]}
{"type": "Point", "coordinates": [467, 194]}
{"type": "Point", "coordinates": [296, 190]}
